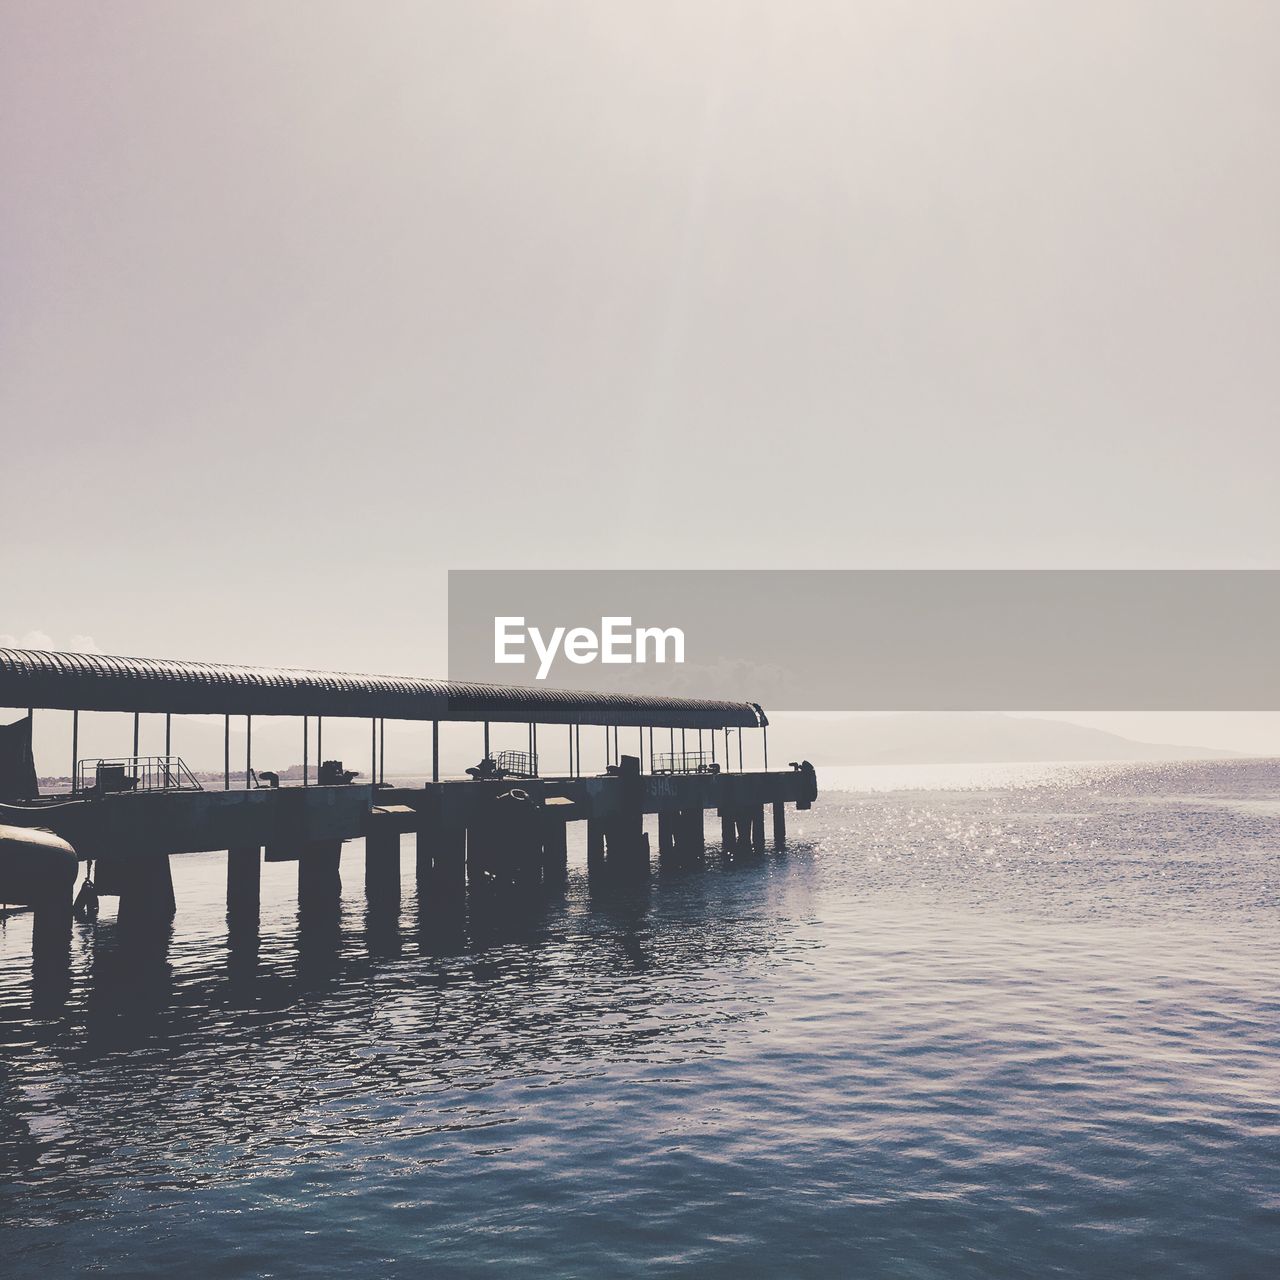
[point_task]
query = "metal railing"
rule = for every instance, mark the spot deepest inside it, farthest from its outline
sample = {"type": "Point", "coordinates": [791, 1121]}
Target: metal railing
{"type": "Point", "coordinates": [682, 762]}
{"type": "Point", "coordinates": [134, 773]}
{"type": "Point", "coordinates": [517, 764]}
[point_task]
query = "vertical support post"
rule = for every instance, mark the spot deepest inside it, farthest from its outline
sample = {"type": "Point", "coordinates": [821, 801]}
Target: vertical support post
{"type": "Point", "coordinates": [382, 750]}
{"type": "Point", "coordinates": [75, 749]}
{"type": "Point", "coordinates": [226, 752]}
{"type": "Point", "coordinates": [146, 889]}
{"type": "Point", "coordinates": [168, 745]}
{"type": "Point", "coordinates": [135, 735]}
{"type": "Point", "coordinates": [319, 746]}
{"type": "Point", "coordinates": [486, 739]}
{"type": "Point", "coordinates": [373, 751]}
{"type": "Point", "coordinates": [595, 843]}
{"type": "Point", "coordinates": [667, 835]}
{"type": "Point", "coordinates": [779, 824]}
{"type": "Point", "coordinates": [713, 746]}
{"type": "Point", "coordinates": [764, 731]}
{"type": "Point", "coordinates": [577, 751]}
{"type": "Point", "coordinates": [248, 750]}
{"type": "Point", "coordinates": [306, 723]}
{"type": "Point", "coordinates": [757, 828]}
{"type": "Point", "coordinates": [244, 881]}
{"type": "Point", "coordinates": [319, 872]}
{"type": "Point", "coordinates": [739, 750]}
{"type": "Point", "coordinates": [533, 764]}
{"type": "Point", "coordinates": [451, 857]}
{"type": "Point", "coordinates": [435, 751]}
{"type": "Point", "coordinates": [555, 855]}
{"type": "Point", "coordinates": [382, 867]}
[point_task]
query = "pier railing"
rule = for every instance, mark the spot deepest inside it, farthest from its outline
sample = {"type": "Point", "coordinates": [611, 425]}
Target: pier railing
{"type": "Point", "coordinates": [517, 764]}
{"type": "Point", "coordinates": [682, 762]}
{"type": "Point", "coordinates": [134, 773]}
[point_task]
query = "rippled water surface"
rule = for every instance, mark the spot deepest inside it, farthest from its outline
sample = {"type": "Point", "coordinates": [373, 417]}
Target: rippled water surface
{"type": "Point", "coordinates": [1006, 1022]}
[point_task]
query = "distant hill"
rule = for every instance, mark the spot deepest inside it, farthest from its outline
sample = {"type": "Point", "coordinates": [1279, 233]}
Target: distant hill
{"type": "Point", "coordinates": [958, 738]}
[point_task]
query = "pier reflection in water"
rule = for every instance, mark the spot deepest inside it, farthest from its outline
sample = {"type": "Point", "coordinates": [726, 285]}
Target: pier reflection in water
{"type": "Point", "coordinates": [990, 1029]}
{"type": "Point", "coordinates": [201, 1047]}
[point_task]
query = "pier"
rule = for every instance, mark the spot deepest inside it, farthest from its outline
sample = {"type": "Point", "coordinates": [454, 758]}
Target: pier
{"type": "Point", "coordinates": [501, 829]}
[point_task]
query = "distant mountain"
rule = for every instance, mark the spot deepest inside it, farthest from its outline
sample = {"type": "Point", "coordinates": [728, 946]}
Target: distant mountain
{"type": "Point", "coordinates": [957, 738]}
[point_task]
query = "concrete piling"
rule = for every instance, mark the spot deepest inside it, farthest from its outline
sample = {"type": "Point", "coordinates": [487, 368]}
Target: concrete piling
{"type": "Point", "coordinates": [244, 881]}
{"type": "Point", "coordinates": [319, 872]}
{"type": "Point", "coordinates": [382, 866]}
{"type": "Point", "coordinates": [695, 836]}
{"type": "Point", "coordinates": [145, 884]}
{"type": "Point", "coordinates": [555, 848]}
{"type": "Point", "coordinates": [666, 836]}
{"type": "Point", "coordinates": [595, 844]}
{"type": "Point", "coordinates": [442, 857]}
{"type": "Point", "coordinates": [51, 920]}
{"type": "Point", "coordinates": [779, 824]}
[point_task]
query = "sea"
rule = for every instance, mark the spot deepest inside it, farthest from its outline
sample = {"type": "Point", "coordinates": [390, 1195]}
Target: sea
{"type": "Point", "coordinates": [974, 1021]}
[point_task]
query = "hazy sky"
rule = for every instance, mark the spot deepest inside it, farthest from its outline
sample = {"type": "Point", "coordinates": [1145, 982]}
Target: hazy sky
{"type": "Point", "coordinates": [305, 303]}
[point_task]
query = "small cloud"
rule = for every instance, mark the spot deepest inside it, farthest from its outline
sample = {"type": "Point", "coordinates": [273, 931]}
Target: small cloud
{"type": "Point", "coordinates": [83, 644]}
{"type": "Point", "coordinates": [8, 641]}
{"type": "Point", "coordinates": [36, 640]}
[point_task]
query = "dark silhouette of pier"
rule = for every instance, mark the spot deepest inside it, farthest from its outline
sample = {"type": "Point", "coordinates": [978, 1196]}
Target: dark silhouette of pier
{"type": "Point", "coordinates": [503, 830]}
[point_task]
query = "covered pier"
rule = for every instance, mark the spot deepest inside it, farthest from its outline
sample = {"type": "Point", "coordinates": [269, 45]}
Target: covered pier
{"type": "Point", "coordinates": [504, 826]}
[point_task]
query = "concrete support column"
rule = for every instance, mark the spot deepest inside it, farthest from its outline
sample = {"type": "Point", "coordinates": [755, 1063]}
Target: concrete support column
{"type": "Point", "coordinates": [382, 866]}
{"type": "Point", "coordinates": [319, 872]}
{"type": "Point", "coordinates": [626, 844]}
{"type": "Point", "coordinates": [693, 830]}
{"type": "Point", "coordinates": [51, 949]}
{"type": "Point", "coordinates": [555, 849]}
{"type": "Point", "coordinates": [424, 853]}
{"type": "Point", "coordinates": [522, 838]}
{"type": "Point", "coordinates": [666, 836]}
{"type": "Point", "coordinates": [595, 844]}
{"type": "Point", "coordinates": [441, 857]}
{"type": "Point", "coordinates": [451, 856]}
{"type": "Point", "coordinates": [779, 824]}
{"type": "Point", "coordinates": [244, 881]}
{"type": "Point", "coordinates": [481, 855]}
{"type": "Point", "coordinates": [728, 834]}
{"type": "Point", "coordinates": [146, 889]}
{"type": "Point", "coordinates": [757, 828]}
{"type": "Point", "coordinates": [51, 920]}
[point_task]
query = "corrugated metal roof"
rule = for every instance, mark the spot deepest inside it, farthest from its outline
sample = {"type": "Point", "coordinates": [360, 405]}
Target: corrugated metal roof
{"type": "Point", "coordinates": [100, 682]}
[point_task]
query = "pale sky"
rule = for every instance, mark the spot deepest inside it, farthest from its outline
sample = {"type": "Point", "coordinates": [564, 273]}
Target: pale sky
{"type": "Point", "coordinates": [305, 303]}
